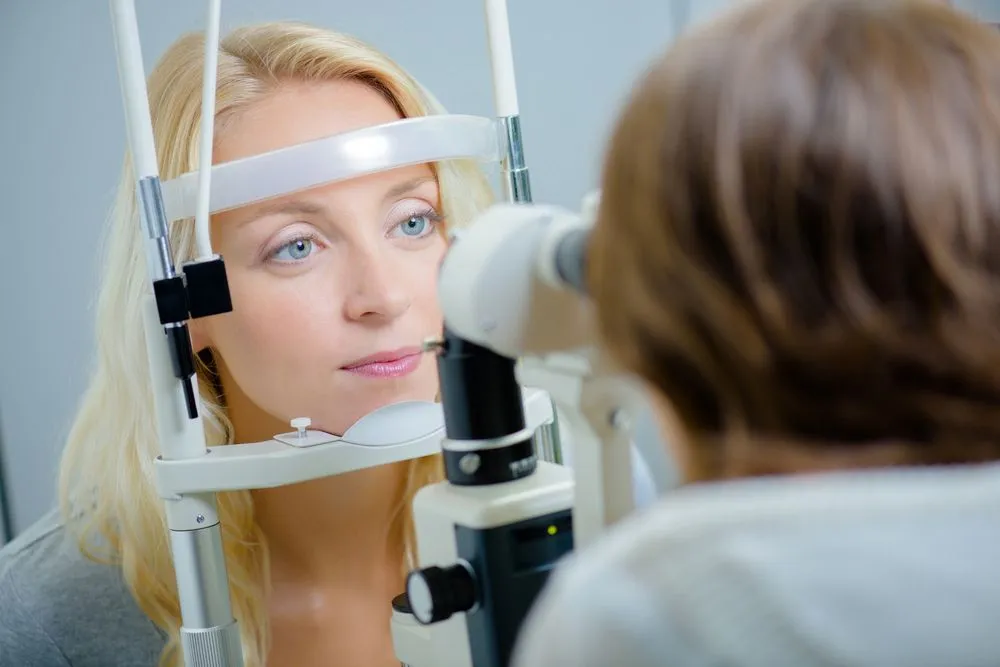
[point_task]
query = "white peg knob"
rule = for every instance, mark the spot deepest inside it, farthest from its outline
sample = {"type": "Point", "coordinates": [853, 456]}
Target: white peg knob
{"type": "Point", "coordinates": [300, 424]}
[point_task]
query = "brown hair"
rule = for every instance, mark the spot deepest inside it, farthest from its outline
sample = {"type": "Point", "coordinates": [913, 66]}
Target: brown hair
{"type": "Point", "coordinates": [798, 243]}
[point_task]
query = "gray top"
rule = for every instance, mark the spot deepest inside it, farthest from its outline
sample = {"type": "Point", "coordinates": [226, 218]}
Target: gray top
{"type": "Point", "coordinates": [57, 608]}
{"type": "Point", "coordinates": [896, 568]}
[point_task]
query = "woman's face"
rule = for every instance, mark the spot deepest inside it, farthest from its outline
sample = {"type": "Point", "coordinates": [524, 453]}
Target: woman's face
{"type": "Point", "coordinates": [333, 288]}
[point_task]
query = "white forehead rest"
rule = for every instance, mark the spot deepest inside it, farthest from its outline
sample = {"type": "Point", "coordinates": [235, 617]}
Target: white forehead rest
{"type": "Point", "coordinates": [339, 157]}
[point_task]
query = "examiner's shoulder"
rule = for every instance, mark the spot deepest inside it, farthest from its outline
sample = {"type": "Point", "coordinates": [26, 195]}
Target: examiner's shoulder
{"type": "Point", "coordinates": [58, 607]}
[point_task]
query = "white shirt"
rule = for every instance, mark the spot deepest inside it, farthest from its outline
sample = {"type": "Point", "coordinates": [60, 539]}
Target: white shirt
{"type": "Point", "coordinates": [866, 569]}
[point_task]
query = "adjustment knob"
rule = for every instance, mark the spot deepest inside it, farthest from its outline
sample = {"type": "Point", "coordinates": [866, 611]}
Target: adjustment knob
{"type": "Point", "coordinates": [435, 593]}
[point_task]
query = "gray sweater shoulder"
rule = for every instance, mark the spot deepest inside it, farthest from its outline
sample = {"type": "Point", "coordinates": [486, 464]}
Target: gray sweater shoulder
{"type": "Point", "coordinates": [58, 608]}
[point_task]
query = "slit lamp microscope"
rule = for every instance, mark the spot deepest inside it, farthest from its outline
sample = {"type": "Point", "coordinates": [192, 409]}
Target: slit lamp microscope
{"type": "Point", "coordinates": [519, 371]}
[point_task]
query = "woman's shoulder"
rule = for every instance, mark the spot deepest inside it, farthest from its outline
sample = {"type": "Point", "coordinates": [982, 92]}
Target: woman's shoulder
{"type": "Point", "coordinates": [58, 607]}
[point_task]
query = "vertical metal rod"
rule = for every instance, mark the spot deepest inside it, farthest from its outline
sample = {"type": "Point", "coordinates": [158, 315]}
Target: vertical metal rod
{"type": "Point", "coordinates": [209, 633]}
{"type": "Point", "coordinates": [517, 183]}
{"type": "Point", "coordinates": [516, 178]}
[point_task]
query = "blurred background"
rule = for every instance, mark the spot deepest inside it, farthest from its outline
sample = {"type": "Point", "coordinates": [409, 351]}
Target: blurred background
{"type": "Point", "coordinates": [62, 141]}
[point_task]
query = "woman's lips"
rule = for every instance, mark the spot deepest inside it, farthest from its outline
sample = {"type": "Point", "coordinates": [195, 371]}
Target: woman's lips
{"type": "Point", "coordinates": [391, 364]}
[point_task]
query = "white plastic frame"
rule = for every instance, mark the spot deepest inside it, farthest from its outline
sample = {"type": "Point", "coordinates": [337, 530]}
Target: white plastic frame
{"type": "Point", "coordinates": [335, 158]}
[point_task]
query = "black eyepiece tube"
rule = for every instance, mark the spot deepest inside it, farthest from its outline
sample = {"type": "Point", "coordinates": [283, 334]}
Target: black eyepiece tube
{"type": "Point", "coordinates": [479, 391]}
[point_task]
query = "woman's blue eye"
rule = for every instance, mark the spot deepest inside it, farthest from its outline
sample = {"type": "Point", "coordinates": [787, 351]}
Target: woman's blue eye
{"type": "Point", "coordinates": [415, 225]}
{"type": "Point", "coordinates": [297, 250]}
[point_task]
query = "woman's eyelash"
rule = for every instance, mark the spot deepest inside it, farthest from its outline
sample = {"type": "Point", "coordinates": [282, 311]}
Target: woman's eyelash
{"type": "Point", "coordinates": [299, 238]}
{"type": "Point", "coordinates": [430, 213]}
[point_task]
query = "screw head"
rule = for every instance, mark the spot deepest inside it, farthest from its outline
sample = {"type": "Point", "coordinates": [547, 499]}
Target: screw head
{"type": "Point", "coordinates": [469, 463]}
{"type": "Point", "coordinates": [200, 518]}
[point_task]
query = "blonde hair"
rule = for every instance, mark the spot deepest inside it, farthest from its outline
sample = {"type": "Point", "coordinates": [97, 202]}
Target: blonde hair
{"type": "Point", "coordinates": [107, 492]}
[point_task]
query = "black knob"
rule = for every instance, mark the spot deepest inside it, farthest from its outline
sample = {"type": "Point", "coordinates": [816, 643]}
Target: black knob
{"type": "Point", "coordinates": [435, 593]}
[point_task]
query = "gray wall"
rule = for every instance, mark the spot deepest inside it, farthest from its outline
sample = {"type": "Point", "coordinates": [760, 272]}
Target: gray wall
{"type": "Point", "coordinates": [61, 138]}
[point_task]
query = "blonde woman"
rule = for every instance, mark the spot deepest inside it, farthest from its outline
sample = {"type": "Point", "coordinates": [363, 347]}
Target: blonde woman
{"type": "Point", "coordinates": [330, 289]}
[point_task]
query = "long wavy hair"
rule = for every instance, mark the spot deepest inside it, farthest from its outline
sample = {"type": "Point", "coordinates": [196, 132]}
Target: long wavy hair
{"type": "Point", "coordinates": [107, 492]}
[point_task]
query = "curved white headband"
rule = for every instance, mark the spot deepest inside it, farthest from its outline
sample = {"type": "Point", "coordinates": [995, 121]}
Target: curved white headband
{"type": "Point", "coordinates": [338, 157]}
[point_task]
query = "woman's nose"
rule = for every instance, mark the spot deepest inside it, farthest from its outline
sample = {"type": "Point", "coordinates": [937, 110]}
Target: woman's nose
{"type": "Point", "coordinates": [377, 293]}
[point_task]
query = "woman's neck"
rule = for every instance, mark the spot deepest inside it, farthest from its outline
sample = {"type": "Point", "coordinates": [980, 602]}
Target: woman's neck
{"type": "Point", "coordinates": [327, 530]}
{"type": "Point", "coordinates": [336, 527]}
{"type": "Point", "coordinates": [336, 563]}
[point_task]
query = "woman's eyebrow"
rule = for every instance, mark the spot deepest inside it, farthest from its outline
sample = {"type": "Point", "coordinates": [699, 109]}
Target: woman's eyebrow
{"type": "Point", "coordinates": [305, 207]}
{"type": "Point", "coordinates": [295, 207]}
{"type": "Point", "coordinates": [406, 186]}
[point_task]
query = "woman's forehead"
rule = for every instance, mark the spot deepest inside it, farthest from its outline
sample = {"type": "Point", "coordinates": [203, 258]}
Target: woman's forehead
{"type": "Point", "coordinates": [296, 113]}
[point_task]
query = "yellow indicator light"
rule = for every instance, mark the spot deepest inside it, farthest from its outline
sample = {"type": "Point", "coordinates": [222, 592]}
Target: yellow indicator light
{"type": "Point", "coordinates": [553, 530]}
